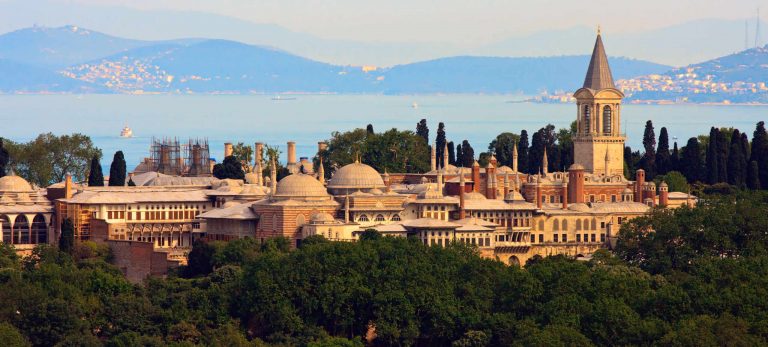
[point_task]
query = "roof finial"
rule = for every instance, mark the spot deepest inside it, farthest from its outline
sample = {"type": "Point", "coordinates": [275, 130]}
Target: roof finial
{"type": "Point", "coordinates": [598, 29]}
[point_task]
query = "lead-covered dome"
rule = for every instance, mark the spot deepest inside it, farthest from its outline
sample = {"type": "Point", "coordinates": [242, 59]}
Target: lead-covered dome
{"type": "Point", "coordinates": [13, 183]}
{"type": "Point", "coordinates": [356, 176]}
{"type": "Point", "coordinates": [300, 186]}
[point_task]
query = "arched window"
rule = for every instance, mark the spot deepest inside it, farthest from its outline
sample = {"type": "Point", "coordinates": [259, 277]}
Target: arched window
{"type": "Point", "coordinates": [607, 119]}
{"type": "Point", "coordinates": [300, 220]}
{"type": "Point", "coordinates": [578, 224]}
{"type": "Point", "coordinates": [541, 225]}
{"type": "Point", "coordinates": [363, 218]}
{"type": "Point", "coordinates": [594, 224]}
{"type": "Point", "coordinates": [586, 224]}
{"type": "Point", "coordinates": [379, 218]}
{"type": "Point", "coordinates": [565, 225]}
{"type": "Point", "coordinates": [587, 119]}
{"type": "Point", "coordinates": [556, 225]}
{"type": "Point", "coordinates": [5, 228]}
{"type": "Point", "coordinates": [39, 230]}
{"type": "Point", "coordinates": [396, 218]}
{"type": "Point", "coordinates": [21, 229]}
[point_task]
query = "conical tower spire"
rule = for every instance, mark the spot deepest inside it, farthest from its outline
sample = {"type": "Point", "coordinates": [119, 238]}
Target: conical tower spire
{"type": "Point", "coordinates": [599, 73]}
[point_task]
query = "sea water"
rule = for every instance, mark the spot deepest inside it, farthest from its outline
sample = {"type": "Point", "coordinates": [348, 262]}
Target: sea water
{"type": "Point", "coordinates": [308, 119]}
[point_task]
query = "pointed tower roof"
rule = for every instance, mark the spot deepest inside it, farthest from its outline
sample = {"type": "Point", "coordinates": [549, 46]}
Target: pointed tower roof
{"type": "Point", "coordinates": [599, 73]}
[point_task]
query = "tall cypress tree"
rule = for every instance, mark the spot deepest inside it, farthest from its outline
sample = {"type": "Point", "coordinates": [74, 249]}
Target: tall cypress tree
{"type": "Point", "coordinates": [629, 164]}
{"type": "Point", "coordinates": [760, 152]}
{"type": "Point", "coordinates": [369, 129]}
{"type": "Point", "coordinates": [451, 154]}
{"type": "Point", "coordinates": [440, 141]}
{"type": "Point", "coordinates": [522, 152]}
{"type": "Point", "coordinates": [723, 147]}
{"type": "Point", "coordinates": [4, 158]}
{"type": "Point", "coordinates": [753, 176]}
{"type": "Point", "coordinates": [536, 153]}
{"type": "Point", "coordinates": [662, 153]}
{"type": "Point", "coordinates": [422, 130]}
{"type": "Point", "coordinates": [713, 172]}
{"type": "Point", "coordinates": [737, 163]}
{"type": "Point", "coordinates": [459, 156]}
{"type": "Point", "coordinates": [649, 158]}
{"type": "Point", "coordinates": [117, 170]}
{"type": "Point", "coordinates": [95, 176]}
{"type": "Point", "coordinates": [674, 159]}
{"type": "Point", "coordinates": [468, 154]}
{"type": "Point", "coordinates": [67, 237]}
{"type": "Point", "coordinates": [691, 163]}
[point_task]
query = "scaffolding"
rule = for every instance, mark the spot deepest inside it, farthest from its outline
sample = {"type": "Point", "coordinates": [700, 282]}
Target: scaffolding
{"type": "Point", "coordinates": [165, 156]}
{"type": "Point", "coordinates": [196, 158]}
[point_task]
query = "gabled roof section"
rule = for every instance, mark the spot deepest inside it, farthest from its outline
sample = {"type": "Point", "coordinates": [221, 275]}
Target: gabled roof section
{"type": "Point", "coordinates": [599, 73]}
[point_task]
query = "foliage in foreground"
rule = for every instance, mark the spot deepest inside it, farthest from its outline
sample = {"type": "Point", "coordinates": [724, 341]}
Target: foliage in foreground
{"type": "Point", "coordinates": [243, 293]}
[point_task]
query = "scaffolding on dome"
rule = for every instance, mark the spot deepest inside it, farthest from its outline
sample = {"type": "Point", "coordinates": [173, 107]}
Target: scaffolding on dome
{"type": "Point", "coordinates": [165, 156]}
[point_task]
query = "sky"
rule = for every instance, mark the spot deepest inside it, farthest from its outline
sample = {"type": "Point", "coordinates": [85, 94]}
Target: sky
{"type": "Point", "coordinates": [452, 21]}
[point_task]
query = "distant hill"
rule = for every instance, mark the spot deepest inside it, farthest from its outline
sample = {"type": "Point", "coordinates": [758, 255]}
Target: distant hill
{"type": "Point", "coordinates": [104, 63]}
{"type": "Point", "coordinates": [503, 75]}
{"type": "Point", "coordinates": [739, 77]}
{"type": "Point", "coordinates": [21, 78]}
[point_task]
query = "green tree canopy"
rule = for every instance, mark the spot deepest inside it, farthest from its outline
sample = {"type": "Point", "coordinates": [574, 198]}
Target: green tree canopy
{"type": "Point", "coordinates": [48, 158]}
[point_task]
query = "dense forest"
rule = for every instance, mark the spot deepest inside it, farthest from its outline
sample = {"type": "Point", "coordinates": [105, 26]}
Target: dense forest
{"type": "Point", "coordinates": [685, 277]}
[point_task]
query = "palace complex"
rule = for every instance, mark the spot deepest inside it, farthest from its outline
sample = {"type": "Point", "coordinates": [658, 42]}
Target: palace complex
{"type": "Point", "coordinates": [508, 215]}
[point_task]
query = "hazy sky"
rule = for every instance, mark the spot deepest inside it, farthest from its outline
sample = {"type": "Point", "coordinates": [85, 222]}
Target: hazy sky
{"type": "Point", "coordinates": [456, 21]}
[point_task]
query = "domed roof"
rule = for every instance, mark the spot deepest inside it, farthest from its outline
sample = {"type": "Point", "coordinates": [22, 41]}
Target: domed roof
{"type": "Point", "coordinates": [663, 184]}
{"type": "Point", "coordinates": [356, 175]}
{"type": "Point", "coordinates": [251, 178]}
{"type": "Point", "coordinates": [322, 218]}
{"type": "Point", "coordinates": [474, 196]}
{"type": "Point", "coordinates": [580, 207]}
{"type": "Point", "coordinates": [300, 185]}
{"type": "Point", "coordinates": [576, 166]}
{"type": "Point", "coordinates": [13, 183]}
{"type": "Point", "coordinates": [514, 195]}
{"type": "Point", "coordinates": [627, 191]}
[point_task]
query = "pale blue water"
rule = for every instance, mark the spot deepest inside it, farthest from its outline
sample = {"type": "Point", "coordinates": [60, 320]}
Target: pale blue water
{"type": "Point", "coordinates": [312, 118]}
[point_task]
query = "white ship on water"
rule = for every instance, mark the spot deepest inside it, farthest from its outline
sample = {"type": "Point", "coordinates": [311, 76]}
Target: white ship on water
{"type": "Point", "coordinates": [126, 132]}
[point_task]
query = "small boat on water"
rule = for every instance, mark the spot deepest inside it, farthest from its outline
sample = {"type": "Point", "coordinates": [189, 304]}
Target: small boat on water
{"type": "Point", "coordinates": [126, 132]}
{"type": "Point", "coordinates": [415, 105]}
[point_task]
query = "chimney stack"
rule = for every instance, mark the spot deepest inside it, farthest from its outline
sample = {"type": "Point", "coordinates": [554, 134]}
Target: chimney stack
{"type": "Point", "coordinates": [227, 149]}
{"type": "Point", "coordinates": [68, 186]}
{"type": "Point", "coordinates": [476, 176]}
{"type": "Point", "coordinates": [291, 152]}
{"type": "Point", "coordinates": [564, 193]}
{"type": "Point", "coordinates": [639, 185]}
{"type": "Point", "coordinates": [538, 192]}
{"type": "Point", "coordinates": [433, 158]}
{"type": "Point", "coordinates": [663, 194]}
{"type": "Point", "coordinates": [514, 158]}
{"type": "Point", "coordinates": [462, 184]}
{"type": "Point", "coordinates": [576, 184]}
{"type": "Point", "coordinates": [321, 146]}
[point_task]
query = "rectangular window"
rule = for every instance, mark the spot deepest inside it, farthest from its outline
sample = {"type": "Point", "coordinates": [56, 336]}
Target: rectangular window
{"type": "Point", "coordinates": [565, 237]}
{"type": "Point", "coordinates": [541, 238]}
{"type": "Point", "coordinates": [487, 242]}
{"type": "Point", "coordinates": [602, 237]}
{"type": "Point", "coordinates": [533, 238]}
{"type": "Point", "coordinates": [593, 238]}
{"type": "Point", "coordinates": [602, 225]}
{"type": "Point", "coordinates": [555, 238]}
{"type": "Point", "coordinates": [578, 237]}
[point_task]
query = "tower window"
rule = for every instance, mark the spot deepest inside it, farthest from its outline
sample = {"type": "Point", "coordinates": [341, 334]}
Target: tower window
{"type": "Point", "coordinates": [587, 119]}
{"type": "Point", "coordinates": [607, 119]}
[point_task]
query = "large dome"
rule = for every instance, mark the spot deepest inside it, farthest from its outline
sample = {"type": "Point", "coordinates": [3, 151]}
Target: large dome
{"type": "Point", "coordinates": [300, 185]}
{"type": "Point", "coordinates": [13, 183]}
{"type": "Point", "coordinates": [356, 176]}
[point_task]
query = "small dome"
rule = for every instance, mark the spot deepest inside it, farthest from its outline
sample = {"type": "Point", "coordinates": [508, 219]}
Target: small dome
{"type": "Point", "coordinates": [13, 183]}
{"type": "Point", "coordinates": [576, 166]}
{"type": "Point", "coordinates": [251, 178]}
{"type": "Point", "coordinates": [627, 191]}
{"type": "Point", "coordinates": [322, 218]}
{"type": "Point", "coordinates": [356, 175]}
{"type": "Point", "coordinates": [514, 195]}
{"type": "Point", "coordinates": [580, 207]}
{"type": "Point", "coordinates": [474, 196]}
{"type": "Point", "coordinates": [300, 185]}
{"type": "Point", "coordinates": [663, 184]}
{"type": "Point", "coordinates": [230, 204]}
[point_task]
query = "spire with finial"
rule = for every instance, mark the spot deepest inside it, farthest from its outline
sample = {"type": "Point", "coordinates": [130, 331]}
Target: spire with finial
{"type": "Point", "coordinates": [607, 162]}
{"type": "Point", "coordinates": [321, 171]}
{"type": "Point", "coordinates": [544, 163]}
{"type": "Point", "coordinates": [599, 72]}
{"type": "Point", "coordinates": [514, 157]}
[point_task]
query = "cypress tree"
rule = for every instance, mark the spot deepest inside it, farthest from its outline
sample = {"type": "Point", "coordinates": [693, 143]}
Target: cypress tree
{"type": "Point", "coordinates": [95, 176]}
{"type": "Point", "coordinates": [745, 147]}
{"type": "Point", "coordinates": [737, 161]}
{"type": "Point", "coordinates": [649, 158]}
{"type": "Point", "coordinates": [628, 162]}
{"type": "Point", "coordinates": [67, 237]}
{"type": "Point", "coordinates": [753, 176]}
{"type": "Point", "coordinates": [723, 147]}
{"type": "Point", "coordinates": [4, 158]}
{"type": "Point", "coordinates": [117, 170]}
{"type": "Point", "coordinates": [760, 152]}
{"type": "Point", "coordinates": [459, 156]}
{"type": "Point", "coordinates": [369, 129]}
{"type": "Point", "coordinates": [451, 154]}
{"type": "Point", "coordinates": [691, 162]}
{"type": "Point", "coordinates": [674, 159]}
{"type": "Point", "coordinates": [535, 153]}
{"type": "Point", "coordinates": [422, 130]}
{"type": "Point", "coordinates": [662, 153]}
{"type": "Point", "coordinates": [713, 173]}
{"type": "Point", "coordinates": [440, 142]}
{"type": "Point", "coordinates": [522, 152]}
{"type": "Point", "coordinates": [468, 154]}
